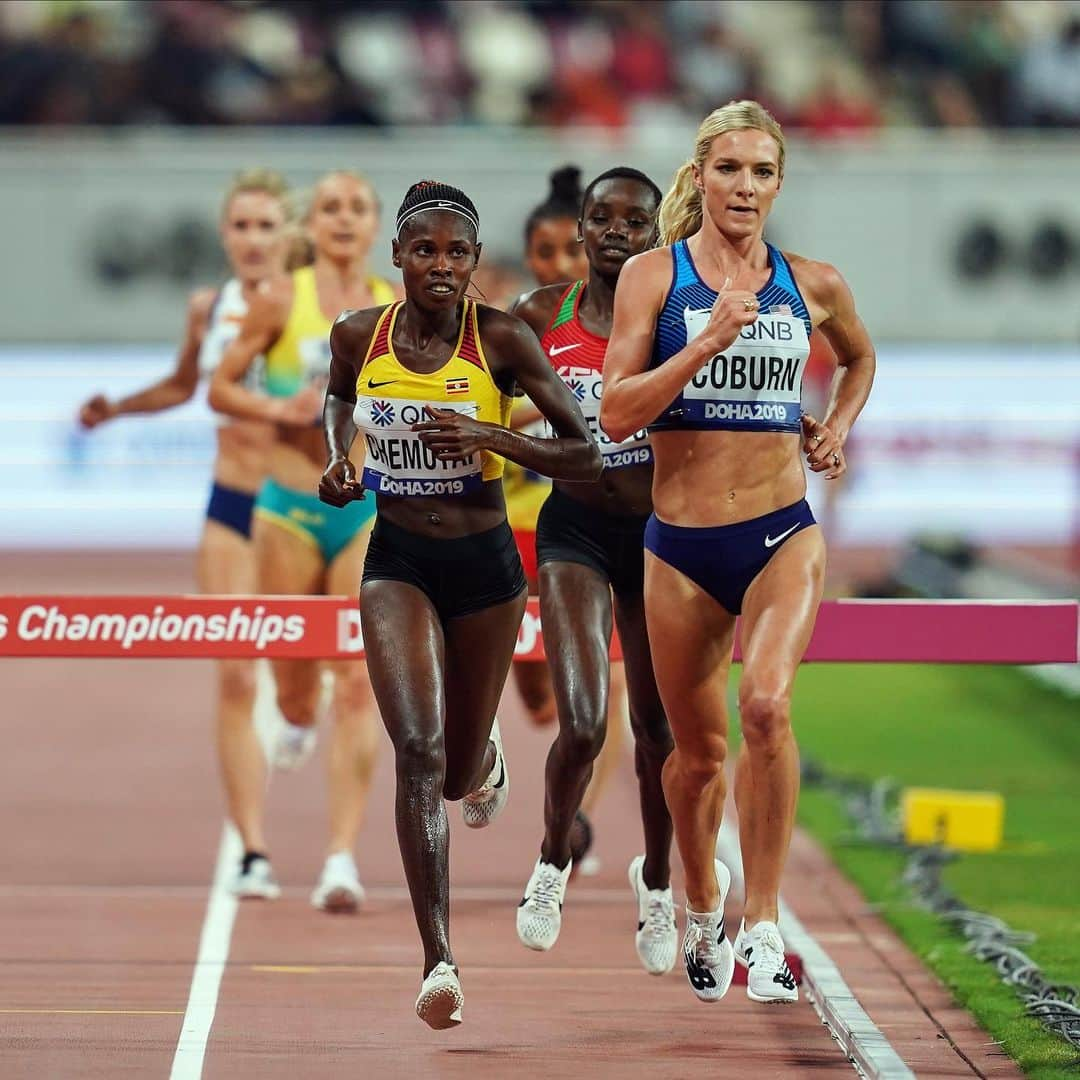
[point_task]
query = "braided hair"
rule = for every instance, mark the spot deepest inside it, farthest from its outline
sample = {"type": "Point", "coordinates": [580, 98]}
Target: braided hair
{"type": "Point", "coordinates": [624, 172]}
{"type": "Point", "coordinates": [427, 195]}
{"type": "Point", "coordinates": [563, 200]}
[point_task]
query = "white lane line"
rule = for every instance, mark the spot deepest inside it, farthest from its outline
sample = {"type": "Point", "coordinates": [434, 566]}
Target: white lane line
{"type": "Point", "coordinates": [861, 1040]}
{"type": "Point", "coordinates": [221, 908]}
{"type": "Point", "coordinates": [210, 963]}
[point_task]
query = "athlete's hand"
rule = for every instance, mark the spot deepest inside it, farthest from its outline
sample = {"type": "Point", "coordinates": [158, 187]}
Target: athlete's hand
{"type": "Point", "coordinates": [96, 411]}
{"type": "Point", "coordinates": [735, 307]}
{"type": "Point", "coordinates": [303, 409]}
{"type": "Point", "coordinates": [452, 435]}
{"type": "Point", "coordinates": [339, 485]}
{"type": "Point", "coordinates": [822, 448]}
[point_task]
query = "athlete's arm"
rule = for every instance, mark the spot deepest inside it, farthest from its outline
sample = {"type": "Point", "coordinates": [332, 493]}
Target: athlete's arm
{"type": "Point", "coordinates": [176, 388]}
{"type": "Point", "coordinates": [515, 357]}
{"type": "Point", "coordinates": [633, 395]}
{"type": "Point", "coordinates": [536, 309]}
{"type": "Point", "coordinates": [832, 302]}
{"type": "Point", "coordinates": [855, 357]}
{"type": "Point", "coordinates": [349, 341]}
{"type": "Point", "coordinates": [265, 319]}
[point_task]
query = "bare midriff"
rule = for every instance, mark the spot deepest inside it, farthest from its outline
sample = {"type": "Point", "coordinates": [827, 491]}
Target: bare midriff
{"type": "Point", "coordinates": [705, 478]}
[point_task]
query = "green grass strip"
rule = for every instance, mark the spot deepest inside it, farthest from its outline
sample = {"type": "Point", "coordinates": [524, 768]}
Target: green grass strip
{"type": "Point", "coordinates": [971, 728]}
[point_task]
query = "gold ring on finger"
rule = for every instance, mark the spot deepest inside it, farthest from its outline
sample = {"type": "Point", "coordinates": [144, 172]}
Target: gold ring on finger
{"type": "Point", "coordinates": [749, 305]}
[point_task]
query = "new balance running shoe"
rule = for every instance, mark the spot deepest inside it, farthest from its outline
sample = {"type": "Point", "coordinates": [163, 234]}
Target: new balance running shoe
{"type": "Point", "coordinates": [707, 953]}
{"type": "Point", "coordinates": [761, 951]}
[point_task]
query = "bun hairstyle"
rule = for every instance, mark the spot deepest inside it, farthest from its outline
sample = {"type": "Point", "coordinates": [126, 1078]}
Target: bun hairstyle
{"type": "Point", "coordinates": [426, 195]}
{"type": "Point", "coordinates": [681, 212]}
{"type": "Point", "coordinates": [563, 200]}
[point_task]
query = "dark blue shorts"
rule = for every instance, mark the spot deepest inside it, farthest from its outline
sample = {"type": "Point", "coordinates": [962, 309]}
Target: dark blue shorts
{"type": "Point", "coordinates": [724, 559]}
{"type": "Point", "coordinates": [231, 508]}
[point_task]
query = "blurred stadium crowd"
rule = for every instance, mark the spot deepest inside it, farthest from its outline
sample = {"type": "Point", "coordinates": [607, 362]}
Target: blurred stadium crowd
{"type": "Point", "coordinates": [831, 67]}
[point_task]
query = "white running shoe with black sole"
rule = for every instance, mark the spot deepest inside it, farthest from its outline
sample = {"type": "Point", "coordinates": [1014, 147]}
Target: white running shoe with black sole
{"type": "Point", "coordinates": [768, 978]}
{"type": "Point", "coordinates": [256, 881]}
{"type": "Point", "coordinates": [339, 890]}
{"type": "Point", "coordinates": [481, 807]}
{"type": "Point", "coordinates": [657, 939]}
{"type": "Point", "coordinates": [539, 915]}
{"type": "Point", "coordinates": [440, 1000]}
{"type": "Point", "coordinates": [707, 953]}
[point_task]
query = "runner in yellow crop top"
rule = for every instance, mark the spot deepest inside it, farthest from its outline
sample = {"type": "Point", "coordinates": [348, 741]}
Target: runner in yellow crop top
{"type": "Point", "coordinates": [303, 546]}
{"type": "Point", "coordinates": [443, 591]}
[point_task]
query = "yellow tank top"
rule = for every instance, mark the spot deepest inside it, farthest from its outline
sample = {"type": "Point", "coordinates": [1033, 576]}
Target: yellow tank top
{"type": "Point", "coordinates": [302, 352]}
{"type": "Point", "coordinates": [390, 399]}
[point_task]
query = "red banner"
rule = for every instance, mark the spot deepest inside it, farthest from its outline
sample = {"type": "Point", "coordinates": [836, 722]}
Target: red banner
{"type": "Point", "coordinates": [306, 627]}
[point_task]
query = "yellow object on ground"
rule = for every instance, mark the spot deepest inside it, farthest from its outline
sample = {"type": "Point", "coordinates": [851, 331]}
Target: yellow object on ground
{"type": "Point", "coordinates": [961, 820]}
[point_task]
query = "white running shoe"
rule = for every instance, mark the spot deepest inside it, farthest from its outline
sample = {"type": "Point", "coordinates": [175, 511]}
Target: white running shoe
{"type": "Point", "coordinates": [539, 915]}
{"type": "Point", "coordinates": [657, 940]}
{"type": "Point", "coordinates": [256, 881]}
{"type": "Point", "coordinates": [440, 999]}
{"type": "Point", "coordinates": [709, 957]}
{"type": "Point", "coordinates": [292, 746]}
{"type": "Point", "coordinates": [761, 951]}
{"type": "Point", "coordinates": [339, 890]}
{"type": "Point", "coordinates": [482, 806]}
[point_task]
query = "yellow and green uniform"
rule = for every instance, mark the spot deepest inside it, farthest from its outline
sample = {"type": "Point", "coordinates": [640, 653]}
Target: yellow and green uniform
{"type": "Point", "coordinates": [301, 354]}
{"type": "Point", "coordinates": [390, 399]}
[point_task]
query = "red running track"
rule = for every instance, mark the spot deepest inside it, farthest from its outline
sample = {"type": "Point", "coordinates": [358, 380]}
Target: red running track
{"type": "Point", "coordinates": [112, 818]}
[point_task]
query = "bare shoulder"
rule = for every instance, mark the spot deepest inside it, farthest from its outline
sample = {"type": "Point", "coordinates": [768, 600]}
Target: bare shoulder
{"type": "Point", "coordinates": [538, 307]}
{"type": "Point", "coordinates": [645, 279]}
{"type": "Point", "coordinates": [353, 329]}
{"type": "Point", "coordinates": [820, 282]}
{"type": "Point", "coordinates": [501, 331]}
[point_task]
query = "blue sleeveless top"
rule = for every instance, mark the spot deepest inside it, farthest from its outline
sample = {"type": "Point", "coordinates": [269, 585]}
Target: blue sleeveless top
{"type": "Point", "coordinates": [756, 383]}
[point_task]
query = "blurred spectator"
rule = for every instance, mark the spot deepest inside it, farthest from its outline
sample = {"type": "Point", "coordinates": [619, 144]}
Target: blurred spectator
{"type": "Point", "coordinates": [1049, 77]}
{"type": "Point", "coordinates": [833, 66]}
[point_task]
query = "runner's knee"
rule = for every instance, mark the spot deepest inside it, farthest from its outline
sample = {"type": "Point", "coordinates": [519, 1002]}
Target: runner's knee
{"type": "Point", "coordinates": [699, 763]}
{"type": "Point", "coordinates": [236, 681]}
{"type": "Point", "coordinates": [581, 735]}
{"type": "Point", "coordinates": [765, 717]}
{"type": "Point", "coordinates": [420, 755]}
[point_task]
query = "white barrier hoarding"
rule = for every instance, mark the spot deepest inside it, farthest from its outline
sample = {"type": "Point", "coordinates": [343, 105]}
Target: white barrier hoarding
{"type": "Point", "coordinates": [979, 441]}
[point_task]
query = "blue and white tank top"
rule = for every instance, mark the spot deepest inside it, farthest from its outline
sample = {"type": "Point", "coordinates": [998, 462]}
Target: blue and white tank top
{"type": "Point", "coordinates": [756, 383]}
{"type": "Point", "coordinates": [226, 317]}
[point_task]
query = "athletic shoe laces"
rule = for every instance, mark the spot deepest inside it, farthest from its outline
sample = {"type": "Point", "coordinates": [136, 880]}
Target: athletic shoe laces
{"type": "Point", "coordinates": [770, 951]}
{"type": "Point", "coordinates": [704, 946]}
{"type": "Point", "coordinates": [660, 914]}
{"type": "Point", "coordinates": [547, 892]}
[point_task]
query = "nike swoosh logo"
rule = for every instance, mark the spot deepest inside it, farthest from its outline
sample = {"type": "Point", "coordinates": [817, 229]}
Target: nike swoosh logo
{"type": "Point", "coordinates": [772, 541]}
{"type": "Point", "coordinates": [556, 349]}
{"type": "Point", "coordinates": [376, 385]}
{"type": "Point", "coordinates": [696, 311]}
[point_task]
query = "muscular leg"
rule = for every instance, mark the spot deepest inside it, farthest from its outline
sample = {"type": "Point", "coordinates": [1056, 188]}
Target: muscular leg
{"type": "Point", "coordinates": [652, 737]}
{"type": "Point", "coordinates": [778, 618]}
{"type": "Point", "coordinates": [226, 565]}
{"type": "Point", "coordinates": [692, 638]}
{"type": "Point", "coordinates": [607, 761]}
{"type": "Point", "coordinates": [479, 651]}
{"type": "Point", "coordinates": [354, 738]}
{"type": "Point", "coordinates": [405, 650]}
{"type": "Point", "coordinates": [575, 612]}
{"type": "Point", "coordinates": [286, 564]}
